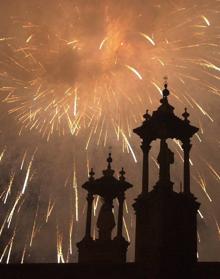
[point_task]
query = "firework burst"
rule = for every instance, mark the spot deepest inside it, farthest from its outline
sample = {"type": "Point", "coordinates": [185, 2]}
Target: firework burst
{"type": "Point", "coordinates": [86, 72]}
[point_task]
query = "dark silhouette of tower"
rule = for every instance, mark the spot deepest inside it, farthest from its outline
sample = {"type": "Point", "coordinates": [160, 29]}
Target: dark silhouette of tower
{"type": "Point", "coordinates": [105, 249]}
{"type": "Point", "coordinates": [166, 225]}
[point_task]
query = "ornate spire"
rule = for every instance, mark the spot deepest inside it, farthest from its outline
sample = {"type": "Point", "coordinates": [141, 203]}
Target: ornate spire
{"type": "Point", "coordinates": [147, 116]}
{"type": "Point", "coordinates": [109, 160]}
{"type": "Point", "coordinates": [186, 116]}
{"type": "Point", "coordinates": [166, 92]}
{"type": "Point", "coordinates": [165, 107]}
{"type": "Point", "coordinates": [122, 173]}
{"type": "Point", "coordinates": [91, 175]}
{"type": "Point", "coordinates": [109, 171]}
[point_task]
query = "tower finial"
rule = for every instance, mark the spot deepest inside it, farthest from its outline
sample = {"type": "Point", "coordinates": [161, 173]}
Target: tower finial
{"type": "Point", "coordinates": [186, 115]}
{"type": "Point", "coordinates": [91, 175]}
{"type": "Point", "coordinates": [122, 175]}
{"type": "Point", "coordinates": [109, 171]}
{"type": "Point", "coordinates": [166, 92]}
{"type": "Point", "coordinates": [109, 160]}
{"type": "Point", "coordinates": [147, 116]}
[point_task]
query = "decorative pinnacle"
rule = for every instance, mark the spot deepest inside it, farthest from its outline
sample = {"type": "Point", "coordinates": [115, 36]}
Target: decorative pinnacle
{"type": "Point", "coordinates": [122, 173]}
{"type": "Point", "coordinates": [186, 116]}
{"type": "Point", "coordinates": [109, 160]}
{"type": "Point", "coordinates": [91, 175]}
{"type": "Point", "coordinates": [147, 116]}
{"type": "Point", "coordinates": [109, 171]}
{"type": "Point", "coordinates": [166, 92]}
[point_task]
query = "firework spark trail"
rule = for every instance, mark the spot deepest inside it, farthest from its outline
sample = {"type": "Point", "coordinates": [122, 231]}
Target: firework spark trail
{"type": "Point", "coordinates": [4, 251]}
{"type": "Point", "coordinates": [149, 39]}
{"type": "Point", "coordinates": [102, 43]}
{"type": "Point", "coordinates": [3, 225]}
{"type": "Point", "coordinates": [126, 207]}
{"type": "Point", "coordinates": [23, 160]}
{"type": "Point", "coordinates": [206, 20]}
{"type": "Point", "coordinates": [155, 162]}
{"type": "Point", "coordinates": [9, 187]}
{"type": "Point", "coordinates": [10, 248]}
{"type": "Point", "coordinates": [200, 214]}
{"type": "Point", "coordinates": [218, 227]}
{"type": "Point", "coordinates": [126, 229]}
{"type": "Point", "coordinates": [75, 188]}
{"type": "Point", "coordinates": [60, 257]}
{"type": "Point", "coordinates": [23, 254]}
{"type": "Point", "coordinates": [157, 87]}
{"type": "Point", "coordinates": [70, 236]}
{"type": "Point", "coordinates": [201, 181]}
{"type": "Point", "coordinates": [12, 211]}
{"type": "Point", "coordinates": [34, 228]}
{"type": "Point", "coordinates": [217, 175]}
{"type": "Point", "coordinates": [49, 209]}
{"type": "Point", "coordinates": [96, 205]}
{"type": "Point", "coordinates": [2, 154]}
{"type": "Point", "coordinates": [129, 146]}
{"type": "Point", "coordinates": [133, 70]}
{"type": "Point", "coordinates": [28, 172]}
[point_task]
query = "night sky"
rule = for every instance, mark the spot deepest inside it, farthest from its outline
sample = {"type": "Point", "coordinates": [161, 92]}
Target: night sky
{"type": "Point", "coordinates": [75, 79]}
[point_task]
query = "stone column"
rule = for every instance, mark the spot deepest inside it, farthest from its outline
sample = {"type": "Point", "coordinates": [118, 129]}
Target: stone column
{"type": "Point", "coordinates": [186, 173]}
{"type": "Point", "coordinates": [121, 199]}
{"type": "Point", "coordinates": [145, 174]}
{"type": "Point", "coordinates": [89, 215]}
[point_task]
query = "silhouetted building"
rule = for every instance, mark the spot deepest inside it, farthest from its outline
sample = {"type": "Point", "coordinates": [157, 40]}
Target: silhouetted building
{"type": "Point", "coordinates": [104, 249]}
{"type": "Point", "coordinates": [166, 225]}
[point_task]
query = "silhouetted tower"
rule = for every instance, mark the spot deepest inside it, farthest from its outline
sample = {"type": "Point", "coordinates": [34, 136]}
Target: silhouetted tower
{"type": "Point", "coordinates": [105, 249]}
{"type": "Point", "coordinates": [166, 225]}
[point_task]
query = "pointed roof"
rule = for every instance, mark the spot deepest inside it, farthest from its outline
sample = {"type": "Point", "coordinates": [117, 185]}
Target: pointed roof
{"type": "Point", "coordinates": [164, 124]}
{"type": "Point", "coordinates": [107, 186]}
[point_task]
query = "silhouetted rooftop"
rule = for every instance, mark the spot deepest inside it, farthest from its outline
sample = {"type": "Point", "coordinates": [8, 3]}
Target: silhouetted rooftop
{"type": "Point", "coordinates": [164, 123]}
{"type": "Point", "coordinates": [107, 185]}
{"type": "Point", "coordinates": [203, 270]}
